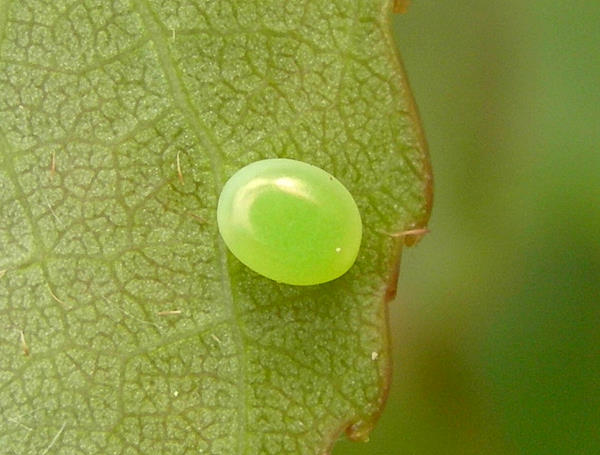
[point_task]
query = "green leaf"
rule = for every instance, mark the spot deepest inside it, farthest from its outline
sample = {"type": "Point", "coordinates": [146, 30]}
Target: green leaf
{"type": "Point", "coordinates": [126, 327]}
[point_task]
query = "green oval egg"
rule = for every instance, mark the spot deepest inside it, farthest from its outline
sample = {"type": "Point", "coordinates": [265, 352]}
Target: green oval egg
{"type": "Point", "coordinates": [290, 221]}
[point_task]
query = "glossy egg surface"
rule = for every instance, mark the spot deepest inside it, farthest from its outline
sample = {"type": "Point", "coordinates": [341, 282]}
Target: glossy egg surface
{"type": "Point", "coordinates": [290, 221]}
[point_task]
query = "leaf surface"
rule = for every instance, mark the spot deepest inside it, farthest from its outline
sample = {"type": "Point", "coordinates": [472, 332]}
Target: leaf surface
{"type": "Point", "coordinates": [125, 325]}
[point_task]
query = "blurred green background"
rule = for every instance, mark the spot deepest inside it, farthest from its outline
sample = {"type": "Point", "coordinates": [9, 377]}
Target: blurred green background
{"type": "Point", "coordinates": [496, 330]}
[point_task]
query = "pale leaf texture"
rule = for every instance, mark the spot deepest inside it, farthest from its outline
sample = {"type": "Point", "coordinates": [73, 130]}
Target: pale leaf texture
{"type": "Point", "coordinates": [125, 325]}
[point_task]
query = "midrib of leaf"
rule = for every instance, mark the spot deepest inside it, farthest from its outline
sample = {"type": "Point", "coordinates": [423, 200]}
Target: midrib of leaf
{"type": "Point", "coordinates": [206, 139]}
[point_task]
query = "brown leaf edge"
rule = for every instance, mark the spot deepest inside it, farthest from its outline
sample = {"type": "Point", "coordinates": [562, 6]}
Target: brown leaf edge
{"type": "Point", "coordinates": [401, 6]}
{"type": "Point", "coordinates": [359, 428]}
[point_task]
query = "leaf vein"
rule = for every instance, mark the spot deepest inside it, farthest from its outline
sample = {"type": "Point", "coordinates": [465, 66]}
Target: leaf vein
{"type": "Point", "coordinates": [207, 140]}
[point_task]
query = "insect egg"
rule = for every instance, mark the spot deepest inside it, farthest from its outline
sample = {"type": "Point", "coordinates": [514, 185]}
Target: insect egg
{"type": "Point", "coordinates": [290, 221]}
